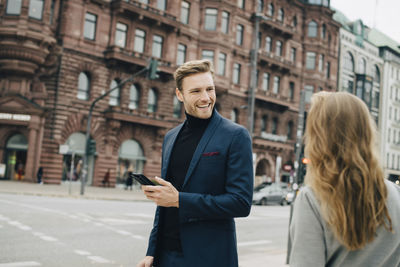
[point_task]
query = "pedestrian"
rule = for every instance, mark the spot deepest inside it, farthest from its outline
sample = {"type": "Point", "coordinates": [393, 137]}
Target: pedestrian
{"type": "Point", "coordinates": [128, 180]}
{"type": "Point", "coordinates": [39, 175]}
{"type": "Point", "coordinates": [348, 214]}
{"type": "Point", "coordinates": [106, 179]}
{"type": "Point", "coordinates": [208, 169]}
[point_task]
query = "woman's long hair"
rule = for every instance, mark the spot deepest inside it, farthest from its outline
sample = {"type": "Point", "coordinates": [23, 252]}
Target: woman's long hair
{"type": "Point", "coordinates": [344, 171]}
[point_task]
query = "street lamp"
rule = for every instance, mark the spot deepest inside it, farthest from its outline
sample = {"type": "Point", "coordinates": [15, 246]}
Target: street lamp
{"type": "Point", "coordinates": [152, 70]}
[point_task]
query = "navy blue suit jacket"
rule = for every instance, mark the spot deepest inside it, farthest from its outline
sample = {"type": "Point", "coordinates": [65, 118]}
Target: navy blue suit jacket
{"type": "Point", "coordinates": [218, 186]}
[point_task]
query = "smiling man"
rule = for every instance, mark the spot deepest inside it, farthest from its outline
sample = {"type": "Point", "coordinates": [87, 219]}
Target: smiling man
{"type": "Point", "coordinates": [208, 180]}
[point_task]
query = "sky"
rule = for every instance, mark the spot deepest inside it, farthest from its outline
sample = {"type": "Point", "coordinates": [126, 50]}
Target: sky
{"type": "Point", "coordinates": [385, 17]}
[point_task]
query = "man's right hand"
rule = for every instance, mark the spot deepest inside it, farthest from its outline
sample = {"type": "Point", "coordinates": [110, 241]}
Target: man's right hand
{"type": "Point", "coordinates": [146, 262]}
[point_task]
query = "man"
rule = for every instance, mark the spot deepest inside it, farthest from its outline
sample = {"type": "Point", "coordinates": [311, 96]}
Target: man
{"type": "Point", "coordinates": [208, 170]}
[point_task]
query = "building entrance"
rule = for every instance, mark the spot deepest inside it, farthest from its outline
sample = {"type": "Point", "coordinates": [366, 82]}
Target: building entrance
{"type": "Point", "coordinates": [15, 157]}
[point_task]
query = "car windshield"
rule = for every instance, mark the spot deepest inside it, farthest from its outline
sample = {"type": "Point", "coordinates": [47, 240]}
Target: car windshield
{"type": "Point", "coordinates": [259, 187]}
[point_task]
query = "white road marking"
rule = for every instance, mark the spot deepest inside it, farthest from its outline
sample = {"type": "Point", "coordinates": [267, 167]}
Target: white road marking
{"type": "Point", "coordinates": [140, 215]}
{"type": "Point", "coordinates": [122, 232]}
{"type": "Point", "coordinates": [98, 259]}
{"type": "Point", "coordinates": [253, 243]}
{"type": "Point", "coordinates": [20, 264]}
{"type": "Point", "coordinates": [3, 218]}
{"type": "Point", "coordinates": [81, 252]}
{"type": "Point", "coordinates": [115, 221]}
{"type": "Point", "coordinates": [138, 237]}
{"type": "Point", "coordinates": [48, 238]}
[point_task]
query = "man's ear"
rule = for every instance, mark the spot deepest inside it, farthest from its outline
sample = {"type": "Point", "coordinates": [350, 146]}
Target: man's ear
{"type": "Point", "coordinates": [179, 94]}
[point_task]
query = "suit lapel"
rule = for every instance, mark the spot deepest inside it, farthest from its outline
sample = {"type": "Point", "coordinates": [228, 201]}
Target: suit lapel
{"type": "Point", "coordinates": [168, 149]}
{"type": "Point", "coordinates": [208, 133]}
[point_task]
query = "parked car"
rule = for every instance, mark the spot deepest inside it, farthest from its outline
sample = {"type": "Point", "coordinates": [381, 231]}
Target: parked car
{"type": "Point", "coordinates": [271, 194]}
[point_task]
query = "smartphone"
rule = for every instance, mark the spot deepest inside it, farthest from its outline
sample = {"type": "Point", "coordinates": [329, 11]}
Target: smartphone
{"type": "Point", "coordinates": [143, 180]}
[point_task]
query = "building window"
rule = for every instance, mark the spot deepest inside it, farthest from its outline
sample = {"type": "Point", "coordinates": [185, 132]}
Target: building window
{"type": "Point", "coordinates": [270, 11]}
{"type": "Point", "coordinates": [140, 41]}
{"type": "Point", "coordinates": [321, 63]}
{"type": "Point", "coordinates": [289, 130]}
{"type": "Point", "coordinates": [221, 64]}
{"type": "Point", "coordinates": [83, 86]}
{"type": "Point", "coordinates": [362, 66]}
{"type": "Point", "coordinates": [225, 22]}
{"type": "Point", "coordinates": [323, 31]}
{"type": "Point", "coordinates": [277, 81]}
{"type": "Point", "coordinates": [53, 3]}
{"type": "Point", "coordinates": [390, 114]}
{"type": "Point", "coordinates": [265, 84]}
{"type": "Point", "coordinates": [162, 4]}
{"type": "Point", "coordinates": [312, 29]}
{"type": "Point", "coordinates": [208, 54]}
{"type": "Point", "coordinates": [268, 44]}
{"type": "Point", "coordinates": [241, 4]}
{"type": "Point", "coordinates": [181, 56]}
{"type": "Point", "coordinates": [310, 60]}
{"type": "Point", "coordinates": [236, 73]}
{"type": "Point", "coordinates": [114, 95]}
{"type": "Point", "coordinates": [260, 6]}
{"type": "Point", "coordinates": [291, 90]}
{"type": "Point", "coordinates": [328, 70]}
{"type": "Point", "coordinates": [13, 7]}
{"type": "Point", "coordinates": [264, 121]}
{"type": "Point", "coordinates": [309, 91]}
{"type": "Point", "coordinates": [211, 19]}
{"type": "Point", "coordinates": [274, 128]}
{"type": "Point", "coordinates": [36, 9]}
{"type": "Point", "coordinates": [134, 97]}
{"type": "Point", "coordinates": [377, 75]}
{"type": "Point", "coordinates": [281, 15]}
{"type": "Point", "coordinates": [234, 115]}
{"type": "Point", "coordinates": [157, 46]}
{"type": "Point", "coordinates": [89, 29]}
{"type": "Point", "coordinates": [120, 34]}
{"type": "Point", "coordinates": [293, 54]}
{"type": "Point", "coordinates": [239, 34]}
{"type": "Point", "coordinates": [349, 62]}
{"type": "Point", "coordinates": [185, 11]}
{"type": "Point", "coordinates": [177, 108]}
{"type": "Point", "coordinates": [278, 48]}
{"type": "Point", "coordinates": [294, 21]}
{"type": "Point", "coordinates": [152, 101]}
{"type": "Point", "coordinates": [144, 1]}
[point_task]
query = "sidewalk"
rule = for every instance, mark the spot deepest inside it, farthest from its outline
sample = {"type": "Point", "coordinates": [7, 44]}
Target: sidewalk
{"type": "Point", "coordinates": [62, 190]}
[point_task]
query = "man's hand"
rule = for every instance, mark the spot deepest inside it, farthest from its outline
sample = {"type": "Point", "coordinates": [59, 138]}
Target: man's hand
{"type": "Point", "coordinates": [146, 262]}
{"type": "Point", "coordinates": [164, 195]}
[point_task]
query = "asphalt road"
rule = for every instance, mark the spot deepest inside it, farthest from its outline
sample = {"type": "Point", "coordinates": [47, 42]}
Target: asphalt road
{"type": "Point", "coordinates": [46, 231]}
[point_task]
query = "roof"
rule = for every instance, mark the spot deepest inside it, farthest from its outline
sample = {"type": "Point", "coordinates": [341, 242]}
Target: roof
{"type": "Point", "coordinates": [380, 39]}
{"type": "Point", "coordinates": [342, 19]}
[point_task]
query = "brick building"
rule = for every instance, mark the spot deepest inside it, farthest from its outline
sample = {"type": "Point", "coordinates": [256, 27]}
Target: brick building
{"type": "Point", "coordinates": [57, 56]}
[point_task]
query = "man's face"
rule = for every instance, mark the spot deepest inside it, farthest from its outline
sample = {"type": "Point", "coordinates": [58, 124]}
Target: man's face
{"type": "Point", "coordinates": [198, 95]}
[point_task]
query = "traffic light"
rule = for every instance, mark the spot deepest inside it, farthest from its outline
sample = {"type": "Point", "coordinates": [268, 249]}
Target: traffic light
{"type": "Point", "coordinates": [152, 72]}
{"type": "Point", "coordinates": [303, 169]}
{"type": "Point", "coordinates": [91, 147]}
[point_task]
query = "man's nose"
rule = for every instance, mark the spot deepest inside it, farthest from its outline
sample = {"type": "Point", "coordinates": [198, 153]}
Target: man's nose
{"type": "Point", "coordinates": [205, 96]}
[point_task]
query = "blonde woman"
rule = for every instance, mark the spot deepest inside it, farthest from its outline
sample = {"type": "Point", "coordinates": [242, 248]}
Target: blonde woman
{"type": "Point", "coordinates": [348, 214]}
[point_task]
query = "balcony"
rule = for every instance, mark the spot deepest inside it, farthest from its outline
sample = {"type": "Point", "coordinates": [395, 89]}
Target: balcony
{"type": "Point", "coordinates": [277, 27]}
{"type": "Point", "coordinates": [115, 54]}
{"type": "Point", "coordinates": [146, 13]}
{"type": "Point", "coordinates": [275, 62]}
{"type": "Point", "coordinates": [276, 101]}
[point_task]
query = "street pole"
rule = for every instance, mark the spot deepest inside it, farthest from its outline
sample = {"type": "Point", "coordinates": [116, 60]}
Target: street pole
{"type": "Point", "coordinates": [86, 157]}
{"type": "Point", "coordinates": [71, 172]}
{"type": "Point", "coordinates": [253, 77]}
{"type": "Point", "coordinates": [299, 138]}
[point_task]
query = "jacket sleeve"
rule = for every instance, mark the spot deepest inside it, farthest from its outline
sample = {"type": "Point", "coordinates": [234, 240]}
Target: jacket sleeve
{"type": "Point", "coordinates": [237, 199]}
{"type": "Point", "coordinates": [306, 233]}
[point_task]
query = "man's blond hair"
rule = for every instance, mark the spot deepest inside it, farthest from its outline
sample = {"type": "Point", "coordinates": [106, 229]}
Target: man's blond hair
{"type": "Point", "coordinates": [190, 68]}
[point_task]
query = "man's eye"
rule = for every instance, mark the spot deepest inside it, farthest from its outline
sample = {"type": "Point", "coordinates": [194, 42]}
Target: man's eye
{"type": "Point", "coordinates": [210, 89]}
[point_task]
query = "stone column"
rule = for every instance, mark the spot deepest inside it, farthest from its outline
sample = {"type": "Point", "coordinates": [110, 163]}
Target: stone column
{"type": "Point", "coordinates": [32, 153]}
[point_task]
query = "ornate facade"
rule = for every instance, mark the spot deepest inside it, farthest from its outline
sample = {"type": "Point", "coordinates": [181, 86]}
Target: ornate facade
{"type": "Point", "coordinates": [57, 56]}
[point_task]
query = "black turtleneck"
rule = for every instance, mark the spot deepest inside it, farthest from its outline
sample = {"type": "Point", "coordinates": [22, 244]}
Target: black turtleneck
{"type": "Point", "coordinates": [181, 155]}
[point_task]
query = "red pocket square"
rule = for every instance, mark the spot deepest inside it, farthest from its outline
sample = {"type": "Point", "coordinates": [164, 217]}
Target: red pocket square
{"type": "Point", "coordinates": [208, 154]}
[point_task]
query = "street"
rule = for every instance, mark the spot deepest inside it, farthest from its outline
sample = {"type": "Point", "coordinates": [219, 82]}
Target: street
{"type": "Point", "coordinates": [47, 231]}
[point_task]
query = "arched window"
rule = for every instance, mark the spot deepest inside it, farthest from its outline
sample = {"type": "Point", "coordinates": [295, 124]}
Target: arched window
{"type": "Point", "coordinates": [134, 97]}
{"type": "Point", "coordinates": [312, 29]}
{"type": "Point", "coordinates": [234, 115]}
{"type": "Point", "coordinates": [349, 62]}
{"type": "Point", "coordinates": [290, 130]}
{"type": "Point", "coordinates": [130, 159]}
{"type": "Point", "coordinates": [270, 11]}
{"type": "Point", "coordinates": [281, 15]}
{"type": "Point", "coordinates": [83, 86]}
{"type": "Point", "coordinates": [76, 143]}
{"type": "Point", "coordinates": [17, 141]}
{"type": "Point", "coordinates": [114, 95]}
{"type": "Point", "coordinates": [362, 66]}
{"type": "Point", "coordinates": [177, 108]}
{"type": "Point", "coordinates": [152, 101]}
{"type": "Point", "coordinates": [260, 5]}
{"type": "Point", "coordinates": [377, 75]}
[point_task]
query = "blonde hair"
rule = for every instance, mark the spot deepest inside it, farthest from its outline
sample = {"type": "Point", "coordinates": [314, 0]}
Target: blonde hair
{"type": "Point", "coordinates": [190, 68]}
{"type": "Point", "coordinates": [344, 171]}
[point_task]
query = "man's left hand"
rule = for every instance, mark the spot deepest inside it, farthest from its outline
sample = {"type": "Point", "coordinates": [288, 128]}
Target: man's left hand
{"type": "Point", "coordinates": [164, 195]}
